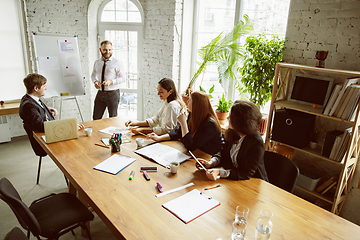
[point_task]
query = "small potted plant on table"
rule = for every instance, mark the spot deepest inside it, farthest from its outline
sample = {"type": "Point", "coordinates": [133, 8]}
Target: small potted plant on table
{"type": "Point", "coordinates": [222, 109]}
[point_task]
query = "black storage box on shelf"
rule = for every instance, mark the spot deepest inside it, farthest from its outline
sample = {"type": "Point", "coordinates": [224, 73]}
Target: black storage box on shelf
{"type": "Point", "coordinates": [292, 127]}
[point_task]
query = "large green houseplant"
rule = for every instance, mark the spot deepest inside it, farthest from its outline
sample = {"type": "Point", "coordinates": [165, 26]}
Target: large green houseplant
{"type": "Point", "coordinates": [258, 70]}
{"type": "Point", "coordinates": [225, 51]}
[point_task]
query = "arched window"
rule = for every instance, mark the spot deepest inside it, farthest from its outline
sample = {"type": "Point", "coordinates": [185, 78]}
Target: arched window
{"type": "Point", "coordinates": [121, 11]}
{"type": "Point", "coordinates": [121, 22]}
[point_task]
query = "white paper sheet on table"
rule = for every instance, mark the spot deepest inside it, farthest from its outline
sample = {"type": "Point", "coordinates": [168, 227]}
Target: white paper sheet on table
{"type": "Point", "coordinates": [112, 130]}
{"type": "Point", "coordinates": [191, 205]}
{"type": "Point", "coordinates": [115, 164]}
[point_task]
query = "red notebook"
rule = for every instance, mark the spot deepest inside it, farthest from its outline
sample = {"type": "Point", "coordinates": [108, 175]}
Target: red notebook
{"type": "Point", "coordinates": [191, 205]}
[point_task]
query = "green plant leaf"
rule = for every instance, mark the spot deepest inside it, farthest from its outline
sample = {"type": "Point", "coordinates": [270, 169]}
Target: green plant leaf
{"type": "Point", "coordinates": [257, 72]}
{"type": "Point", "coordinates": [225, 51]}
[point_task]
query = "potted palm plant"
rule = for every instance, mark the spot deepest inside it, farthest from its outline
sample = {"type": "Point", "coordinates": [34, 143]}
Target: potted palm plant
{"type": "Point", "coordinates": [258, 70]}
{"type": "Point", "coordinates": [225, 51]}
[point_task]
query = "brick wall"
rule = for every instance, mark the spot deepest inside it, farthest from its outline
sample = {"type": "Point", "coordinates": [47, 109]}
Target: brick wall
{"type": "Point", "coordinates": [161, 49]}
{"type": "Point", "coordinates": [58, 17]}
{"type": "Point", "coordinates": [329, 25]}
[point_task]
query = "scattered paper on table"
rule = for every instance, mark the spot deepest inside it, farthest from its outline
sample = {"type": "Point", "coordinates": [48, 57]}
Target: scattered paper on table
{"type": "Point", "coordinates": [115, 164]}
{"type": "Point", "coordinates": [112, 130]}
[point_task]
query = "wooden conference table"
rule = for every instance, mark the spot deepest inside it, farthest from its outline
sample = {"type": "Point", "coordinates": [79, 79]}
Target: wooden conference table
{"type": "Point", "coordinates": [131, 210]}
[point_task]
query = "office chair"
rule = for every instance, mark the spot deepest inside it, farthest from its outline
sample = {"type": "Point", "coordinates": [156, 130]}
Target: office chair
{"type": "Point", "coordinates": [15, 234]}
{"type": "Point", "coordinates": [281, 171]}
{"type": "Point", "coordinates": [50, 216]}
{"type": "Point", "coordinates": [40, 152]}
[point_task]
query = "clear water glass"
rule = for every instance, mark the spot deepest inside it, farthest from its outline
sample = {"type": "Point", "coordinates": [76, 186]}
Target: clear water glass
{"type": "Point", "coordinates": [241, 214]}
{"type": "Point", "coordinates": [238, 231]}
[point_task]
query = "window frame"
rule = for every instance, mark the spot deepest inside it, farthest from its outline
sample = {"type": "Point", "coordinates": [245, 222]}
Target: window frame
{"type": "Point", "coordinates": [126, 26]}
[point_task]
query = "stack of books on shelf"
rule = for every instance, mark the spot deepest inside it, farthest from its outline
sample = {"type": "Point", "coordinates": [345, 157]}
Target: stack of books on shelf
{"type": "Point", "coordinates": [343, 101]}
{"type": "Point", "coordinates": [336, 143]}
{"type": "Point", "coordinates": [327, 185]}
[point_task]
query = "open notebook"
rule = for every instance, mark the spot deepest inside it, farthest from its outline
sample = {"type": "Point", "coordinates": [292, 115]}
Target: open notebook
{"type": "Point", "coordinates": [162, 154]}
{"type": "Point", "coordinates": [191, 205]}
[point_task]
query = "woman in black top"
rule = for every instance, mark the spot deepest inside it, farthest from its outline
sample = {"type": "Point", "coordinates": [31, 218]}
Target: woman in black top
{"type": "Point", "coordinates": [200, 130]}
{"type": "Point", "coordinates": [243, 154]}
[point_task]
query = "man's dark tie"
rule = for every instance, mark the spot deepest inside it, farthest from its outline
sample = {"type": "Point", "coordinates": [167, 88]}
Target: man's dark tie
{"type": "Point", "coordinates": [102, 77]}
{"type": "Point", "coordinates": [48, 114]}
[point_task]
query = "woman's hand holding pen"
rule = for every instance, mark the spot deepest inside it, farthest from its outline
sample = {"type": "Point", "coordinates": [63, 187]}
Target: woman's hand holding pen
{"type": "Point", "coordinates": [128, 123]}
{"type": "Point", "coordinates": [131, 124]}
{"type": "Point", "coordinates": [134, 130]}
{"type": "Point", "coordinates": [207, 164]}
{"type": "Point", "coordinates": [154, 137]}
{"type": "Point", "coordinates": [213, 174]}
{"type": "Point", "coordinates": [182, 118]}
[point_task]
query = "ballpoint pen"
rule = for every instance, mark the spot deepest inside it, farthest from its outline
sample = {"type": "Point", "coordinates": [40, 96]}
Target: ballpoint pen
{"type": "Point", "coordinates": [208, 188]}
{"type": "Point", "coordinates": [142, 134]}
{"type": "Point", "coordinates": [197, 160]}
{"type": "Point", "coordinates": [101, 145]}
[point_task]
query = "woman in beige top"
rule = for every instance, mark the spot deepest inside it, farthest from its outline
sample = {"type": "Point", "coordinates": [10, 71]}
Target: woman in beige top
{"type": "Point", "coordinates": [166, 118]}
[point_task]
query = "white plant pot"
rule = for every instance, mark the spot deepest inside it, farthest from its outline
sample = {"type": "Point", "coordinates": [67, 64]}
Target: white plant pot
{"type": "Point", "coordinates": [313, 145]}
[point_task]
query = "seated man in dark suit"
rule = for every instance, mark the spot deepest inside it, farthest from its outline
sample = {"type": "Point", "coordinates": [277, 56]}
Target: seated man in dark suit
{"type": "Point", "coordinates": [33, 111]}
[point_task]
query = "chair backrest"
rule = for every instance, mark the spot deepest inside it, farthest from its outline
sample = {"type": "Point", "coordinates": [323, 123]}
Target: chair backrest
{"type": "Point", "coordinates": [281, 171]}
{"type": "Point", "coordinates": [15, 234]}
{"type": "Point", "coordinates": [25, 217]}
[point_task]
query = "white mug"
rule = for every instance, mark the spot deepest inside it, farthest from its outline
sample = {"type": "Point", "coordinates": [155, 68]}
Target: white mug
{"type": "Point", "coordinates": [140, 142]}
{"type": "Point", "coordinates": [173, 166]}
{"type": "Point", "coordinates": [88, 131]}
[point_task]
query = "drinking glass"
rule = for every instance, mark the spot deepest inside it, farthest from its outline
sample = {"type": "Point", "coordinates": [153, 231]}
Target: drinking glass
{"type": "Point", "coordinates": [241, 215]}
{"type": "Point", "coordinates": [238, 231]}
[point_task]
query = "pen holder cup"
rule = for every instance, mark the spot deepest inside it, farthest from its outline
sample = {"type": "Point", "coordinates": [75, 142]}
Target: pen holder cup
{"type": "Point", "coordinates": [115, 145]}
{"type": "Point", "coordinates": [114, 148]}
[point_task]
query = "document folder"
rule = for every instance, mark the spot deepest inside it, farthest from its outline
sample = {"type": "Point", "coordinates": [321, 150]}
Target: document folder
{"type": "Point", "coordinates": [191, 205]}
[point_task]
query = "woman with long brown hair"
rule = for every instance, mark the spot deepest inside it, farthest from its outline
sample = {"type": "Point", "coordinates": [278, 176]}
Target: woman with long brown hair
{"type": "Point", "coordinates": [201, 130]}
{"type": "Point", "coordinates": [166, 118]}
{"type": "Point", "coordinates": [243, 154]}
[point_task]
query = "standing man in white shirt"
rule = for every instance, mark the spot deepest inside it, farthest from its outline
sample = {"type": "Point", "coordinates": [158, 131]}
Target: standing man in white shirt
{"type": "Point", "coordinates": [107, 74]}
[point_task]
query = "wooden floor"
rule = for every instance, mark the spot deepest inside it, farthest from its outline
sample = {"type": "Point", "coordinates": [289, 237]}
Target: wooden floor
{"type": "Point", "coordinates": [19, 164]}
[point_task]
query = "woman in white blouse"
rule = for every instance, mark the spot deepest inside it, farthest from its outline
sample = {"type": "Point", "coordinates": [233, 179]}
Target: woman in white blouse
{"type": "Point", "coordinates": [166, 118]}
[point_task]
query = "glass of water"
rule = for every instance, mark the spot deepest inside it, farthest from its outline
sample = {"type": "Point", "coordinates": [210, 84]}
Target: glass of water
{"type": "Point", "coordinates": [238, 231]}
{"type": "Point", "coordinates": [241, 215]}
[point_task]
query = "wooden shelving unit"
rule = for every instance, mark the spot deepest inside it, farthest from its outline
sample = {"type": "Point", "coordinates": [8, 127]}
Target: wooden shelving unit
{"type": "Point", "coordinates": [283, 75]}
